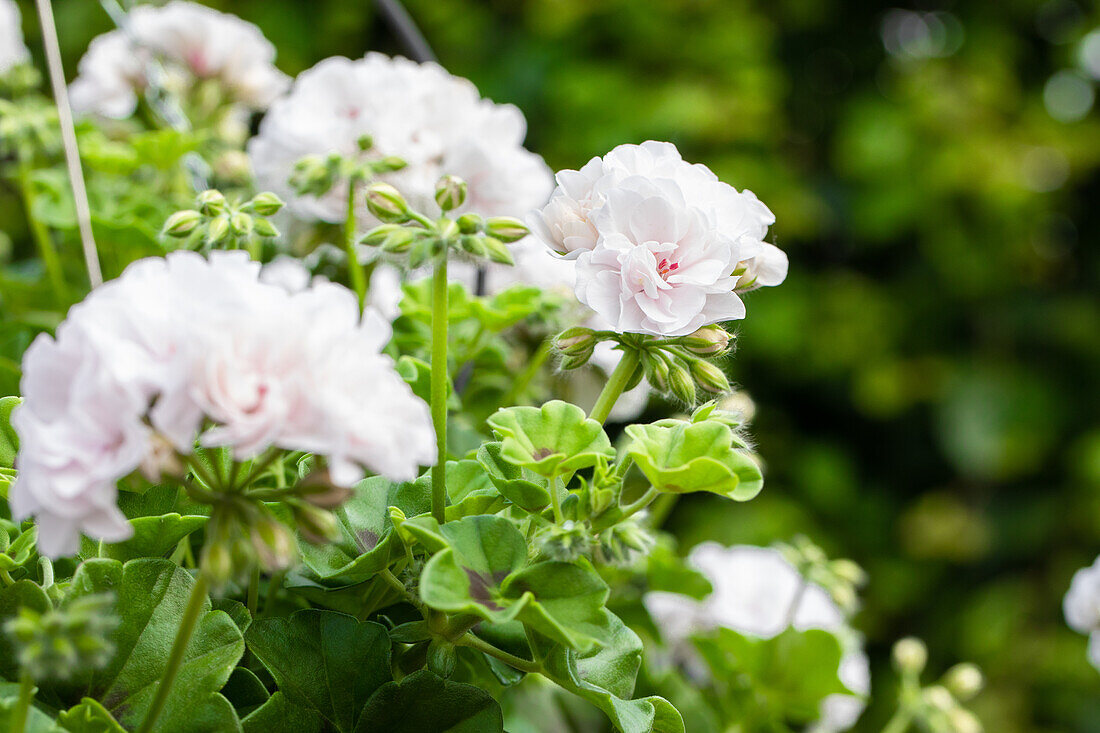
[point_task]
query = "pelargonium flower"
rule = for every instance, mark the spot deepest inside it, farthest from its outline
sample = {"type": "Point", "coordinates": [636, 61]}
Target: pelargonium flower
{"type": "Point", "coordinates": [183, 349]}
{"type": "Point", "coordinates": [194, 42]}
{"type": "Point", "coordinates": [12, 49]}
{"type": "Point", "coordinates": [757, 592]}
{"type": "Point", "coordinates": [662, 246]}
{"type": "Point", "coordinates": [1081, 607]}
{"type": "Point", "coordinates": [437, 123]}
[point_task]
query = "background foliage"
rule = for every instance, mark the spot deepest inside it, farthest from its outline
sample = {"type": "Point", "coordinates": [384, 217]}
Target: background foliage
{"type": "Point", "coordinates": [925, 382]}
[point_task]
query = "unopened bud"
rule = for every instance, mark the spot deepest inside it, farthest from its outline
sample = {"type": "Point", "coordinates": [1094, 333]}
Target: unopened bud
{"type": "Point", "coordinates": [182, 223]}
{"type": "Point", "coordinates": [217, 229]}
{"type": "Point", "coordinates": [707, 341]}
{"type": "Point", "coordinates": [377, 237]}
{"type": "Point", "coordinates": [450, 192]}
{"type": "Point", "coordinates": [389, 164]}
{"type": "Point", "coordinates": [658, 373]}
{"type": "Point", "coordinates": [211, 202]}
{"type": "Point", "coordinates": [575, 362]}
{"type": "Point", "coordinates": [365, 142]}
{"type": "Point", "coordinates": [681, 384]}
{"type": "Point", "coordinates": [265, 228]}
{"type": "Point", "coordinates": [910, 655]}
{"type": "Point", "coordinates": [848, 571]}
{"type": "Point", "coordinates": [399, 241]}
{"type": "Point", "coordinates": [964, 680]}
{"type": "Point", "coordinates": [217, 564]}
{"type": "Point", "coordinates": [317, 525]}
{"type": "Point", "coordinates": [473, 245]}
{"type": "Point", "coordinates": [939, 698]}
{"type": "Point", "coordinates": [233, 166]}
{"type": "Point", "coordinates": [575, 341]}
{"type": "Point", "coordinates": [470, 223]}
{"type": "Point", "coordinates": [273, 544]}
{"type": "Point", "coordinates": [506, 228]}
{"type": "Point", "coordinates": [497, 251]}
{"type": "Point", "coordinates": [241, 224]}
{"type": "Point", "coordinates": [964, 721]}
{"type": "Point", "coordinates": [266, 203]}
{"type": "Point", "coordinates": [386, 203]}
{"type": "Point", "coordinates": [709, 377]}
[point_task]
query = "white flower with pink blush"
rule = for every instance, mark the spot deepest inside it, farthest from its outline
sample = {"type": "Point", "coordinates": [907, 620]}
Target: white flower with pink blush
{"type": "Point", "coordinates": [1081, 607]}
{"type": "Point", "coordinates": [194, 43]}
{"type": "Point", "coordinates": [12, 49]}
{"type": "Point", "coordinates": [175, 343]}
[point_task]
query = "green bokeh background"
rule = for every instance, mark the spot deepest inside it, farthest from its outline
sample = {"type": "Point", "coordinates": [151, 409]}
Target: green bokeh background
{"type": "Point", "coordinates": [926, 381]}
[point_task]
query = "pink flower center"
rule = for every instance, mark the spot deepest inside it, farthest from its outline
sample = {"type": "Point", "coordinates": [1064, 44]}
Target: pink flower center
{"type": "Point", "coordinates": [664, 268]}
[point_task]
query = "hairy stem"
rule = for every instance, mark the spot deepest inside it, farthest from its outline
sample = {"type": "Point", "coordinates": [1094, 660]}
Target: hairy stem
{"type": "Point", "coordinates": [616, 383]}
{"type": "Point", "coordinates": [22, 708]}
{"type": "Point", "coordinates": [523, 665]}
{"type": "Point", "coordinates": [358, 278]}
{"type": "Point", "coordinates": [179, 648]}
{"type": "Point", "coordinates": [439, 387]}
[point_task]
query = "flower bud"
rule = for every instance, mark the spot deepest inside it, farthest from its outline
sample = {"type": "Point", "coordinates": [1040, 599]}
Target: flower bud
{"type": "Point", "coordinates": [473, 245]}
{"type": "Point", "coordinates": [506, 228]}
{"type": "Point", "coordinates": [266, 203]}
{"type": "Point", "coordinates": [658, 373]}
{"type": "Point", "coordinates": [386, 203]}
{"type": "Point", "coordinates": [313, 175]}
{"type": "Point", "coordinates": [964, 680]}
{"type": "Point", "coordinates": [964, 721]}
{"type": "Point", "coordinates": [272, 543]}
{"type": "Point", "coordinates": [497, 251]}
{"type": "Point", "coordinates": [377, 237]}
{"type": "Point", "coordinates": [217, 229]}
{"type": "Point", "coordinates": [848, 571]}
{"type": "Point", "coordinates": [575, 362]}
{"type": "Point", "coordinates": [233, 166]}
{"type": "Point", "coordinates": [470, 223]}
{"type": "Point", "coordinates": [709, 377]}
{"type": "Point", "coordinates": [241, 224]}
{"type": "Point", "coordinates": [211, 202]}
{"type": "Point", "coordinates": [707, 341]}
{"type": "Point", "coordinates": [217, 563]}
{"type": "Point", "coordinates": [318, 525]}
{"type": "Point", "coordinates": [450, 192]}
{"type": "Point", "coordinates": [63, 642]}
{"type": "Point", "coordinates": [265, 228]}
{"type": "Point", "coordinates": [681, 384]}
{"type": "Point", "coordinates": [365, 142]}
{"type": "Point", "coordinates": [182, 223]}
{"type": "Point", "coordinates": [938, 698]}
{"type": "Point", "coordinates": [910, 655]}
{"type": "Point", "coordinates": [389, 164]}
{"type": "Point", "coordinates": [576, 341]}
{"type": "Point", "coordinates": [399, 241]}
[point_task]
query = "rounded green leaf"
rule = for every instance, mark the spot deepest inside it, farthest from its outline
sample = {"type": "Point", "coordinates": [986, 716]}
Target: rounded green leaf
{"type": "Point", "coordinates": [680, 457]}
{"type": "Point", "coordinates": [426, 703]}
{"type": "Point", "coordinates": [551, 439]}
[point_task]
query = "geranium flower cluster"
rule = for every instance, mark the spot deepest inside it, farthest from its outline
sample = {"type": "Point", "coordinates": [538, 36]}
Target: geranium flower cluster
{"type": "Point", "coordinates": [1082, 607]}
{"type": "Point", "coordinates": [435, 122]}
{"type": "Point", "coordinates": [185, 348]}
{"type": "Point", "coordinates": [12, 49]}
{"type": "Point", "coordinates": [193, 42]}
{"type": "Point", "coordinates": [662, 246]}
{"type": "Point", "coordinates": [758, 592]}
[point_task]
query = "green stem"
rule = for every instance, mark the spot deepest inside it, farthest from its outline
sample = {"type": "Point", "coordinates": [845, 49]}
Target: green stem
{"type": "Point", "coordinates": [661, 508]}
{"type": "Point", "coordinates": [23, 704]}
{"type": "Point", "coordinates": [439, 387]}
{"type": "Point", "coordinates": [254, 591]}
{"type": "Point", "coordinates": [41, 234]}
{"type": "Point", "coordinates": [191, 617]}
{"type": "Point", "coordinates": [523, 665]}
{"type": "Point", "coordinates": [645, 500]}
{"type": "Point", "coordinates": [616, 383]}
{"type": "Point", "coordinates": [900, 722]}
{"type": "Point", "coordinates": [6, 578]}
{"type": "Point", "coordinates": [358, 278]}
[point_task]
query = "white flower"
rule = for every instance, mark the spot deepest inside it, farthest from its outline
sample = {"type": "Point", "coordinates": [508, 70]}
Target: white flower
{"type": "Point", "coordinates": [1081, 607]}
{"type": "Point", "coordinates": [269, 361]}
{"type": "Point", "coordinates": [757, 592]}
{"type": "Point", "coordinates": [437, 123]}
{"type": "Point", "coordinates": [12, 49]}
{"type": "Point", "coordinates": [663, 247]}
{"type": "Point", "coordinates": [194, 42]}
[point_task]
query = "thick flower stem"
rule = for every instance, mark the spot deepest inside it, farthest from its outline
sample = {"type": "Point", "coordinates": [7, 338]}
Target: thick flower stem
{"type": "Point", "coordinates": [439, 387]}
{"type": "Point", "coordinates": [616, 383]}
{"type": "Point", "coordinates": [358, 277]}
{"type": "Point", "coordinates": [179, 648]}
{"type": "Point", "coordinates": [22, 705]}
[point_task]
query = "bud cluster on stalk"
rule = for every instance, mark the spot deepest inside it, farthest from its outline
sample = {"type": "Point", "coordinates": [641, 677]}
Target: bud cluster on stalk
{"type": "Point", "coordinates": [412, 235]}
{"type": "Point", "coordinates": [938, 708]}
{"type": "Point", "coordinates": [65, 641]}
{"type": "Point", "coordinates": [680, 366]}
{"type": "Point", "coordinates": [316, 175]}
{"type": "Point", "coordinates": [217, 223]}
{"type": "Point", "coordinates": [841, 578]}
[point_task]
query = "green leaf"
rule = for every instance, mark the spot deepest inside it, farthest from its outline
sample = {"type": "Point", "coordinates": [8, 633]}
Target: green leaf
{"type": "Point", "coordinates": [552, 439]}
{"type": "Point", "coordinates": [325, 661]}
{"type": "Point", "coordinates": [9, 441]}
{"type": "Point", "coordinates": [509, 480]}
{"type": "Point", "coordinates": [89, 717]}
{"type": "Point", "coordinates": [152, 595]}
{"type": "Point", "coordinates": [481, 572]}
{"type": "Point", "coordinates": [244, 691]}
{"type": "Point", "coordinates": [279, 715]}
{"type": "Point", "coordinates": [20, 551]}
{"type": "Point", "coordinates": [153, 537]}
{"type": "Point", "coordinates": [425, 703]}
{"type": "Point", "coordinates": [680, 457]}
{"type": "Point", "coordinates": [786, 676]}
{"type": "Point", "coordinates": [37, 721]}
{"type": "Point", "coordinates": [470, 490]}
{"type": "Point", "coordinates": [605, 677]}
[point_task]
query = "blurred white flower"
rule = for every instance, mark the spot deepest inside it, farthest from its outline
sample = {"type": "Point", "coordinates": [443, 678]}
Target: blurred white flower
{"type": "Point", "coordinates": [662, 246]}
{"type": "Point", "coordinates": [12, 49]}
{"type": "Point", "coordinates": [194, 43]}
{"type": "Point", "coordinates": [269, 361]}
{"type": "Point", "coordinates": [1081, 607]}
{"type": "Point", "coordinates": [758, 593]}
{"type": "Point", "coordinates": [437, 123]}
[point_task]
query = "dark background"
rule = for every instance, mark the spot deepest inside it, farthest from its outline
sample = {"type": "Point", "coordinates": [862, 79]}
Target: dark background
{"type": "Point", "coordinates": [925, 381]}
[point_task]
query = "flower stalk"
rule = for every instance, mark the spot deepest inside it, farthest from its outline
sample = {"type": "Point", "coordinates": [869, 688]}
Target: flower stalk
{"type": "Point", "coordinates": [355, 269]}
{"type": "Point", "coordinates": [616, 383]}
{"type": "Point", "coordinates": [439, 386]}
{"type": "Point", "coordinates": [22, 709]}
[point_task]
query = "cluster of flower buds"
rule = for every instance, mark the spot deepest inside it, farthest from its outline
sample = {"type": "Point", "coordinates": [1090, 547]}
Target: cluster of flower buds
{"type": "Point", "coordinates": [60, 643]}
{"type": "Point", "coordinates": [841, 578]}
{"type": "Point", "coordinates": [217, 223]}
{"type": "Point", "coordinates": [678, 366]}
{"type": "Point", "coordinates": [407, 232]}
{"type": "Point", "coordinates": [19, 80]}
{"type": "Point", "coordinates": [315, 175]}
{"type": "Point", "coordinates": [28, 127]}
{"type": "Point", "coordinates": [937, 708]}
